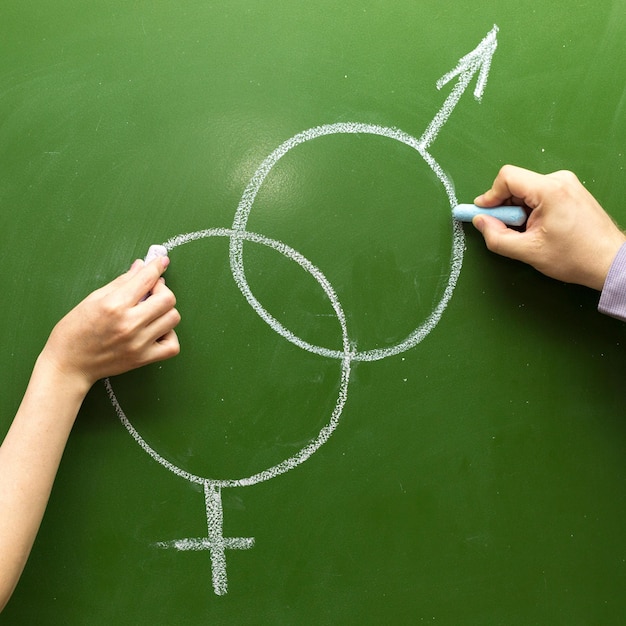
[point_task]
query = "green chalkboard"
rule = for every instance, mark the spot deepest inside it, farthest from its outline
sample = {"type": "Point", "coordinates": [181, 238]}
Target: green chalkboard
{"type": "Point", "coordinates": [373, 420]}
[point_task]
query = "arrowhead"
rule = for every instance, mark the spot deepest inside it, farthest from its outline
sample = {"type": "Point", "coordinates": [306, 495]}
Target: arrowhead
{"type": "Point", "coordinates": [477, 61]}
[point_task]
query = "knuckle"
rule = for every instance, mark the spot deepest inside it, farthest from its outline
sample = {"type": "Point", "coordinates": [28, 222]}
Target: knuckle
{"type": "Point", "coordinates": [169, 348]}
{"type": "Point", "coordinates": [117, 324]}
{"type": "Point", "coordinates": [565, 180]}
{"type": "Point", "coordinates": [507, 173]}
{"type": "Point", "coordinates": [168, 298]}
{"type": "Point", "coordinates": [171, 319]}
{"type": "Point", "coordinates": [125, 331]}
{"type": "Point", "coordinates": [505, 170]}
{"type": "Point", "coordinates": [564, 184]}
{"type": "Point", "coordinates": [110, 308]}
{"type": "Point", "coordinates": [566, 176]}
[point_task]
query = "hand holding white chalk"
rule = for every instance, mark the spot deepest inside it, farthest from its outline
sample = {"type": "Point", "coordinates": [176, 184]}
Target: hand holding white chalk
{"type": "Point", "coordinates": [109, 332]}
{"type": "Point", "coordinates": [568, 235]}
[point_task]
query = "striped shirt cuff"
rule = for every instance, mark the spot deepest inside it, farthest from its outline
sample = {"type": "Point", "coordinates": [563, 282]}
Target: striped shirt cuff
{"type": "Point", "coordinates": [613, 296]}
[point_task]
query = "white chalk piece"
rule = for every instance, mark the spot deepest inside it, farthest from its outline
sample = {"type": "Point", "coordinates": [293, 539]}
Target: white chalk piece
{"type": "Point", "coordinates": [510, 215]}
{"type": "Point", "coordinates": [155, 252]}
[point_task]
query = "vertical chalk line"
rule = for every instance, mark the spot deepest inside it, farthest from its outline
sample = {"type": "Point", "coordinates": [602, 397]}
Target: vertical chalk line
{"type": "Point", "coordinates": [214, 542]}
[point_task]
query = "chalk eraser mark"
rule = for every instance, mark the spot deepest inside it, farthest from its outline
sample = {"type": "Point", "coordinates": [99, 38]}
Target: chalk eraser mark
{"type": "Point", "coordinates": [510, 215]}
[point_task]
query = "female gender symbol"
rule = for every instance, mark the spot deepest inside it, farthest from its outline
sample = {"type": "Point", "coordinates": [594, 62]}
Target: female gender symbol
{"type": "Point", "coordinates": [477, 61]}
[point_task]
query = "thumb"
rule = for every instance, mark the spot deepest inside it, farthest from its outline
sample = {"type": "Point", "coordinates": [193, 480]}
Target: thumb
{"type": "Point", "coordinates": [499, 238]}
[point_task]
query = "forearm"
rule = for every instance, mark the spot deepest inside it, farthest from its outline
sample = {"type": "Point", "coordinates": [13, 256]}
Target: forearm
{"type": "Point", "coordinates": [29, 459]}
{"type": "Point", "coordinates": [115, 329]}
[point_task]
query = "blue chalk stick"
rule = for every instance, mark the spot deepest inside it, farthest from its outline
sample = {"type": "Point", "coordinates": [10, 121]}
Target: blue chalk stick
{"type": "Point", "coordinates": [510, 215]}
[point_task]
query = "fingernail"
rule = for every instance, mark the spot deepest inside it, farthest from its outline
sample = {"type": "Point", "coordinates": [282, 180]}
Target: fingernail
{"type": "Point", "coordinates": [165, 261]}
{"type": "Point", "coordinates": [478, 222]}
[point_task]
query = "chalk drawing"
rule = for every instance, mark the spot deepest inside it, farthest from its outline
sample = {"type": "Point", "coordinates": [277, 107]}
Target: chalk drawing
{"type": "Point", "coordinates": [477, 62]}
{"type": "Point", "coordinates": [215, 542]}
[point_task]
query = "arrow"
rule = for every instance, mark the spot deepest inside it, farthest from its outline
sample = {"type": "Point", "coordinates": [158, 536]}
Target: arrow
{"type": "Point", "coordinates": [478, 61]}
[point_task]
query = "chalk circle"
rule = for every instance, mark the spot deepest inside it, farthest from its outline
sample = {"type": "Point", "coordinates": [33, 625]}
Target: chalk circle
{"type": "Point", "coordinates": [325, 432]}
{"type": "Point", "coordinates": [245, 207]}
{"type": "Point", "coordinates": [238, 234]}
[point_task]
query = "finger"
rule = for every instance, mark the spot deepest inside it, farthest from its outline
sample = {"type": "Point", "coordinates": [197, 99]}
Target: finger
{"type": "Point", "coordinates": [165, 348]}
{"type": "Point", "coordinates": [513, 183]}
{"type": "Point", "coordinates": [169, 345]}
{"type": "Point", "coordinates": [134, 268]}
{"type": "Point", "coordinates": [501, 239]}
{"type": "Point", "coordinates": [160, 285]}
{"type": "Point", "coordinates": [144, 280]}
{"type": "Point", "coordinates": [161, 300]}
{"type": "Point", "coordinates": [136, 265]}
{"type": "Point", "coordinates": [161, 326]}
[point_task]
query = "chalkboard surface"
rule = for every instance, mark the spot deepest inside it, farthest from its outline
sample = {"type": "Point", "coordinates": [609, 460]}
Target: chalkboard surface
{"type": "Point", "coordinates": [373, 419]}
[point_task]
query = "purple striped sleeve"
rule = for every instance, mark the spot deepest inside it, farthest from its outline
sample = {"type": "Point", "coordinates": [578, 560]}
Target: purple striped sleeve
{"type": "Point", "coordinates": [613, 297]}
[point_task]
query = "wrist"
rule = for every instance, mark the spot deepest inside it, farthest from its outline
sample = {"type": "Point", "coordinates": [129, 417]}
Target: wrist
{"type": "Point", "coordinates": [613, 250]}
{"type": "Point", "coordinates": [72, 383]}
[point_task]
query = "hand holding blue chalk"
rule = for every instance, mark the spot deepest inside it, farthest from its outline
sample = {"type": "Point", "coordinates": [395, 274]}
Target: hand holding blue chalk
{"type": "Point", "coordinates": [510, 215]}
